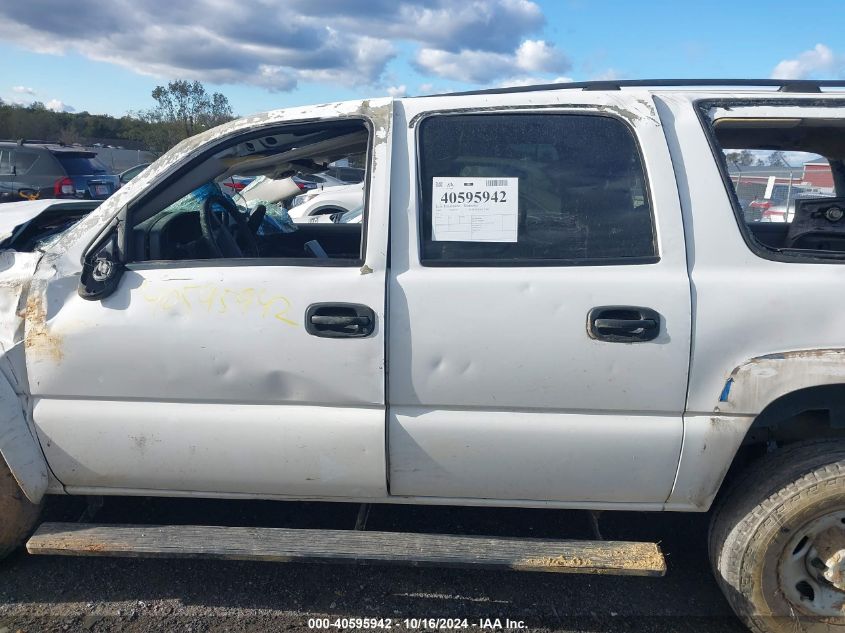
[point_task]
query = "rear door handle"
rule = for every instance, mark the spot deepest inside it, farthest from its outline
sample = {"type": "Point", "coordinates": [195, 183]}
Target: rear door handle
{"type": "Point", "coordinates": [623, 324]}
{"type": "Point", "coordinates": [339, 320]}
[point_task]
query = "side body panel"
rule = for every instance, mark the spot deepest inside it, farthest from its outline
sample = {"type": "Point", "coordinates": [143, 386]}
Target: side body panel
{"type": "Point", "coordinates": [496, 390]}
{"type": "Point", "coordinates": [770, 326]}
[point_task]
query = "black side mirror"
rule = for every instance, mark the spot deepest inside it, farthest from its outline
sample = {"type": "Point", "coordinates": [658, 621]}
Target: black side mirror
{"type": "Point", "coordinates": [101, 269]}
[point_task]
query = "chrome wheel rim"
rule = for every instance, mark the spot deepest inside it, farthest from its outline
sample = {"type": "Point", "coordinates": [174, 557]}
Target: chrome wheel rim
{"type": "Point", "coordinates": [811, 573]}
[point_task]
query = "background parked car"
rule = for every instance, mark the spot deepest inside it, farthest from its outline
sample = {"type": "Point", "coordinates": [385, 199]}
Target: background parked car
{"type": "Point", "coordinates": [327, 201]}
{"type": "Point", "coordinates": [349, 175]}
{"type": "Point", "coordinates": [39, 169]}
{"type": "Point", "coordinates": [354, 216]}
{"type": "Point", "coordinates": [778, 209]}
{"type": "Point", "coordinates": [130, 173]}
{"type": "Point", "coordinates": [235, 184]}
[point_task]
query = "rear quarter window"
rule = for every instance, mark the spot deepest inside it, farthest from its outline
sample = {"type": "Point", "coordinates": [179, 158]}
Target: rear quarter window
{"type": "Point", "coordinates": [25, 161]}
{"type": "Point", "coordinates": [81, 165]}
{"type": "Point", "coordinates": [785, 175]}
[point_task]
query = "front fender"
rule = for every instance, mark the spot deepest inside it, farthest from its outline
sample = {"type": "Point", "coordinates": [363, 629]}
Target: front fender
{"type": "Point", "coordinates": [19, 448]}
{"type": "Point", "coordinates": [18, 445]}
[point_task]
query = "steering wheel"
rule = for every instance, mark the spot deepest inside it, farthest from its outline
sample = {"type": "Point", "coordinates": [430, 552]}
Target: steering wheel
{"type": "Point", "coordinates": [221, 239]}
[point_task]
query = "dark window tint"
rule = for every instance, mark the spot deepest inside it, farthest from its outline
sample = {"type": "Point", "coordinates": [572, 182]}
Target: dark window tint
{"type": "Point", "coordinates": [24, 161]}
{"type": "Point", "coordinates": [582, 196]}
{"type": "Point", "coordinates": [351, 175]}
{"type": "Point", "coordinates": [77, 165]}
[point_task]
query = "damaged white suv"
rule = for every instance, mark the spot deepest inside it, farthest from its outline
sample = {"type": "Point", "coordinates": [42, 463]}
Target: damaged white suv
{"type": "Point", "coordinates": [553, 299]}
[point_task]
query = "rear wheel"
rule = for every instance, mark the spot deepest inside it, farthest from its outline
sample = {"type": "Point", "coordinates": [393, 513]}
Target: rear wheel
{"type": "Point", "coordinates": [18, 515]}
{"type": "Point", "coordinates": [777, 540]}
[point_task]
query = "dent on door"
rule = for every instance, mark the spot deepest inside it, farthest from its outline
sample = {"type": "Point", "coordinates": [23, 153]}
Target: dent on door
{"type": "Point", "coordinates": [551, 383]}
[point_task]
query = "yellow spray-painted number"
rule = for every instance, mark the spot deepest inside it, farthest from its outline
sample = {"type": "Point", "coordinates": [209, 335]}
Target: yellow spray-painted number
{"type": "Point", "coordinates": [215, 299]}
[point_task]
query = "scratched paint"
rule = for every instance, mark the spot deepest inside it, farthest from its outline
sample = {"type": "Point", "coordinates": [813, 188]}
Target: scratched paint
{"type": "Point", "coordinates": [762, 380]}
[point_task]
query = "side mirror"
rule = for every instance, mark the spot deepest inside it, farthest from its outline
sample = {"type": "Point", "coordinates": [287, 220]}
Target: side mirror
{"type": "Point", "coordinates": [101, 269]}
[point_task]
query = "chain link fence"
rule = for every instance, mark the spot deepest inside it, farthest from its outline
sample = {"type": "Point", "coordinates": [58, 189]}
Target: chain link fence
{"type": "Point", "coordinates": [769, 193]}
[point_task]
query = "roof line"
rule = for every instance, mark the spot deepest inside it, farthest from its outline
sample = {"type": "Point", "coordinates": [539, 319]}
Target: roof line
{"type": "Point", "coordinates": [783, 85]}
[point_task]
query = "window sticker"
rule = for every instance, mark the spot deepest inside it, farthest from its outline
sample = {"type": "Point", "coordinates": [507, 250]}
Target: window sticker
{"type": "Point", "coordinates": [474, 209]}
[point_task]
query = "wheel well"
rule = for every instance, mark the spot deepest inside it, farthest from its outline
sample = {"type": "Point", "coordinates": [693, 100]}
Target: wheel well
{"type": "Point", "coordinates": [810, 413]}
{"type": "Point", "coordinates": [804, 414]}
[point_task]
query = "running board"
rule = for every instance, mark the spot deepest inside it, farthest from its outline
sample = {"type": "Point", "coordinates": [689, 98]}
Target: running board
{"type": "Point", "coordinates": [348, 546]}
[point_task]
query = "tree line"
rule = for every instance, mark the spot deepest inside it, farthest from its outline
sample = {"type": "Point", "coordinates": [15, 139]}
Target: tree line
{"type": "Point", "coordinates": [181, 109]}
{"type": "Point", "coordinates": [745, 158]}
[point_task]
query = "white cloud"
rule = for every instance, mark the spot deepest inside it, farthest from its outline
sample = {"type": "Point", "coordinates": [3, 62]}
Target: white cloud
{"type": "Point", "coordinates": [23, 90]}
{"type": "Point", "coordinates": [819, 60]}
{"type": "Point", "coordinates": [59, 106]}
{"type": "Point", "coordinates": [274, 44]}
{"type": "Point", "coordinates": [538, 56]}
{"type": "Point", "coordinates": [398, 91]}
{"type": "Point", "coordinates": [476, 66]}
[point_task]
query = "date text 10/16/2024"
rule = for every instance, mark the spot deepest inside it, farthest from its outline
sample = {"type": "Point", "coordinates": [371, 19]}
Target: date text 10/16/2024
{"type": "Point", "coordinates": [481, 624]}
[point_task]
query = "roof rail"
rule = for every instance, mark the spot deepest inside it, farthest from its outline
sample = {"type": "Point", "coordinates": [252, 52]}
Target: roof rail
{"type": "Point", "coordinates": [29, 141]}
{"type": "Point", "coordinates": [783, 85]}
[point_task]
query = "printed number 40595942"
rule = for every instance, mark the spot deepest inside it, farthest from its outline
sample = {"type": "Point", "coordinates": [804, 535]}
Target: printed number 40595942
{"type": "Point", "coordinates": [468, 197]}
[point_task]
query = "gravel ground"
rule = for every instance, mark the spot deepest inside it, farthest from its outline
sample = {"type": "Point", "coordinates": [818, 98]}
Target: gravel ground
{"type": "Point", "coordinates": [44, 593]}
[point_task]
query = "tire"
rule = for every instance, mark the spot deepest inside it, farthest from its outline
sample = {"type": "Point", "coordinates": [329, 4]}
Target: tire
{"type": "Point", "coordinates": [773, 528]}
{"type": "Point", "coordinates": [18, 515]}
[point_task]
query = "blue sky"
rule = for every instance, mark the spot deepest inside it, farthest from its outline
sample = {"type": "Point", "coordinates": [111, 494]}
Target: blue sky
{"type": "Point", "coordinates": [108, 56]}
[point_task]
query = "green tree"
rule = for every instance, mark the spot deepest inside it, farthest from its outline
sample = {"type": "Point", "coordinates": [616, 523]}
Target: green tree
{"type": "Point", "coordinates": [743, 158]}
{"type": "Point", "coordinates": [778, 159]}
{"type": "Point", "coordinates": [182, 109]}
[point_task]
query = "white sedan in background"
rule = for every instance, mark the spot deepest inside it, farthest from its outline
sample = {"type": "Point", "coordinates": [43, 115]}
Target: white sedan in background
{"type": "Point", "coordinates": [353, 216]}
{"type": "Point", "coordinates": [327, 201]}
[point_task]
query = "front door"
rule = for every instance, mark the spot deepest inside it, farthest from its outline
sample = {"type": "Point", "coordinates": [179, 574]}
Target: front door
{"type": "Point", "coordinates": [540, 305]}
{"type": "Point", "coordinates": [210, 370]}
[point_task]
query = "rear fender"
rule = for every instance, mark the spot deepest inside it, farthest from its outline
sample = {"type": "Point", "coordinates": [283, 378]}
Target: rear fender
{"type": "Point", "coordinates": [711, 441]}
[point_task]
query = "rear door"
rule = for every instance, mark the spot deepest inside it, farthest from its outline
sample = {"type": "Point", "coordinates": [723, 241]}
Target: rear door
{"type": "Point", "coordinates": [539, 301]}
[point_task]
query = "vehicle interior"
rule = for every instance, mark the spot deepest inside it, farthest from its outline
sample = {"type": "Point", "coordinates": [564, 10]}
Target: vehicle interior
{"type": "Point", "coordinates": [191, 218]}
{"type": "Point", "coordinates": [812, 221]}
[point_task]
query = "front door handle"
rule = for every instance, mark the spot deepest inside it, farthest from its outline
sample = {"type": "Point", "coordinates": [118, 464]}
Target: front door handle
{"type": "Point", "coordinates": [339, 320]}
{"type": "Point", "coordinates": [623, 324]}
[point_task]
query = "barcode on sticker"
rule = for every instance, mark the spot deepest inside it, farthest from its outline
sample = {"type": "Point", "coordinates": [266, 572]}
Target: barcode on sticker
{"type": "Point", "coordinates": [497, 183]}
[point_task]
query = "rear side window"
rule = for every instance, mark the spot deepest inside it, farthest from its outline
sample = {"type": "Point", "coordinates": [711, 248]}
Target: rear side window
{"type": "Point", "coordinates": [532, 190]}
{"type": "Point", "coordinates": [24, 161]}
{"type": "Point", "coordinates": [76, 165]}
